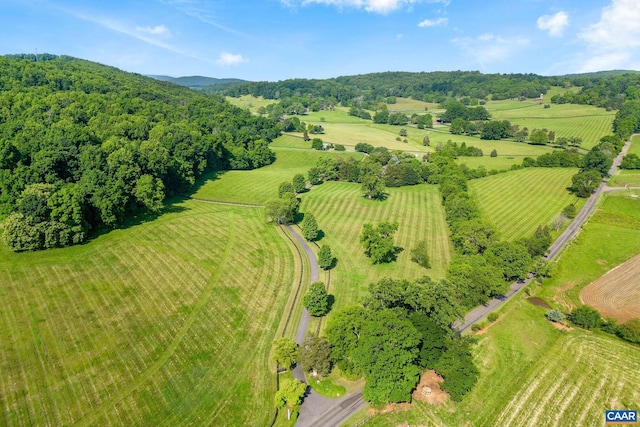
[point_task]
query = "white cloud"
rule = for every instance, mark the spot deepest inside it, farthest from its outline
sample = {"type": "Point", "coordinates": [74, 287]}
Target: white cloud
{"type": "Point", "coordinates": [375, 6]}
{"type": "Point", "coordinates": [618, 28]}
{"type": "Point", "coordinates": [487, 49]}
{"type": "Point", "coordinates": [554, 24]}
{"type": "Point", "coordinates": [433, 22]}
{"type": "Point", "coordinates": [614, 41]}
{"type": "Point", "coordinates": [227, 58]}
{"type": "Point", "coordinates": [159, 30]}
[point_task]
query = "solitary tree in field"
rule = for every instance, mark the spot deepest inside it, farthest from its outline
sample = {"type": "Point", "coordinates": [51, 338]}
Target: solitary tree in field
{"type": "Point", "coordinates": [317, 300]}
{"type": "Point", "coordinates": [309, 227]}
{"type": "Point", "coordinates": [325, 258]}
{"type": "Point", "coordinates": [290, 395]}
{"type": "Point", "coordinates": [378, 241]}
{"type": "Point", "coordinates": [420, 254]}
{"type": "Point", "coordinates": [285, 352]}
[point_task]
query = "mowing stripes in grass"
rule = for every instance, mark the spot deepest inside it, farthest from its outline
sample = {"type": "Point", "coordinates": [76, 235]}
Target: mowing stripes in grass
{"type": "Point", "coordinates": [341, 212]}
{"type": "Point", "coordinates": [259, 185]}
{"type": "Point", "coordinates": [164, 323]}
{"type": "Point", "coordinates": [517, 202]}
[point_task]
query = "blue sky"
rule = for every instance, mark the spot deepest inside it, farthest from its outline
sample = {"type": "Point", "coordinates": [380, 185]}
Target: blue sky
{"type": "Point", "coordinates": [279, 39]}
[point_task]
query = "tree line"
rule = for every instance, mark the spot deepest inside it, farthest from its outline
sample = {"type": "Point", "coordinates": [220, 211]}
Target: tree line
{"type": "Point", "coordinates": [83, 145]}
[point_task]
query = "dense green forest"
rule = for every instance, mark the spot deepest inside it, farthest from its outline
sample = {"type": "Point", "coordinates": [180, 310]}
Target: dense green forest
{"type": "Point", "coordinates": [606, 90]}
{"type": "Point", "coordinates": [82, 145]}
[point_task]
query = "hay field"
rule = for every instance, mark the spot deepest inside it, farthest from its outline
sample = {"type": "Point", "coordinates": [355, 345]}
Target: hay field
{"type": "Point", "coordinates": [617, 293]}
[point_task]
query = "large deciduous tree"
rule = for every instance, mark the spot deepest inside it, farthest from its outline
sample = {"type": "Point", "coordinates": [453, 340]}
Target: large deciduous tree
{"type": "Point", "coordinates": [285, 352]}
{"type": "Point", "coordinates": [315, 355]}
{"type": "Point", "coordinates": [316, 300]}
{"type": "Point", "coordinates": [378, 241]}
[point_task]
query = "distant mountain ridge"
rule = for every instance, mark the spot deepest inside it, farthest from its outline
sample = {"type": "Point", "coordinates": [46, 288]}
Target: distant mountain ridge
{"type": "Point", "coordinates": [196, 82]}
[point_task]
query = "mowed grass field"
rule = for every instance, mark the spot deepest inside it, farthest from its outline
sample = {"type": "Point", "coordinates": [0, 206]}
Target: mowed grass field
{"type": "Point", "coordinates": [166, 322]}
{"type": "Point", "coordinates": [566, 120]}
{"type": "Point", "coordinates": [610, 237]}
{"type": "Point", "coordinates": [259, 185]}
{"type": "Point", "coordinates": [517, 202]}
{"type": "Point", "coordinates": [341, 211]}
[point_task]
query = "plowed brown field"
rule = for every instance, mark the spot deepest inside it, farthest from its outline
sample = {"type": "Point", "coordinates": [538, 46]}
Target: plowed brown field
{"type": "Point", "coordinates": [617, 293]}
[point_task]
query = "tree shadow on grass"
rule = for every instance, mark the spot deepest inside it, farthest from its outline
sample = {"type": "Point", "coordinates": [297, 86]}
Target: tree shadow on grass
{"type": "Point", "coordinates": [141, 216]}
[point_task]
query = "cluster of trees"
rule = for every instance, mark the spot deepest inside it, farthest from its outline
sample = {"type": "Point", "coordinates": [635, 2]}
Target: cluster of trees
{"type": "Point", "coordinates": [589, 318]}
{"type": "Point", "coordinates": [380, 169]}
{"type": "Point", "coordinates": [595, 165]}
{"type": "Point", "coordinates": [555, 159]}
{"type": "Point", "coordinates": [457, 110]}
{"type": "Point", "coordinates": [83, 145]}
{"type": "Point", "coordinates": [401, 330]}
{"type": "Point", "coordinates": [378, 242]}
{"type": "Point", "coordinates": [383, 116]}
{"type": "Point", "coordinates": [369, 90]}
{"type": "Point", "coordinates": [627, 120]}
{"type": "Point", "coordinates": [602, 90]}
{"type": "Point", "coordinates": [454, 150]}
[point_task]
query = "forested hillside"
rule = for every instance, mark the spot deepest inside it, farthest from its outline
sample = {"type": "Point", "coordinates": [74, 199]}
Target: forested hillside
{"type": "Point", "coordinates": [605, 89]}
{"type": "Point", "coordinates": [431, 87]}
{"type": "Point", "coordinates": [82, 145]}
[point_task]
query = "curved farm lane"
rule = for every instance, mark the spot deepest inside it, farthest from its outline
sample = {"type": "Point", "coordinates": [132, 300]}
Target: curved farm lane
{"type": "Point", "coordinates": [483, 310]}
{"type": "Point", "coordinates": [317, 410]}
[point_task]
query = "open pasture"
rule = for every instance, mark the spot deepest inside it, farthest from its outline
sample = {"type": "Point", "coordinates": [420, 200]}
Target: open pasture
{"type": "Point", "coordinates": [611, 237]}
{"type": "Point", "coordinates": [617, 293]}
{"type": "Point", "coordinates": [517, 202]}
{"type": "Point", "coordinates": [364, 131]}
{"type": "Point", "coordinates": [165, 322]}
{"type": "Point", "coordinates": [623, 178]}
{"type": "Point", "coordinates": [578, 378]}
{"type": "Point", "coordinates": [499, 163]}
{"type": "Point", "coordinates": [259, 185]}
{"type": "Point", "coordinates": [341, 211]}
{"type": "Point", "coordinates": [566, 120]}
{"type": "Point", "coordinates": [634, 148]}
{"type": "Point", "coordinates": [250, 102]}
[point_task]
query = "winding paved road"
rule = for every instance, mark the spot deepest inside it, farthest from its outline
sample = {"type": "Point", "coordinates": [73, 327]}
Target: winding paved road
{"type": "Point", "coordinates": [317, 410]}
{"type": "Point", "coordinates": [483, 310]}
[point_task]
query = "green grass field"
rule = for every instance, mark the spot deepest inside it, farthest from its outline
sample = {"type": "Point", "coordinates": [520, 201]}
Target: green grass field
{"type": "Point", "coordinates": [517, 202]}
{"type": "Point", "coordinates": [341, 212]}
{"type": "Point", "coordinates": [611, 236]}
{"type": "Point", "coordinates": [259, 185]}
{"type": "Point", "coordinates": [634, 148]}
{"type": "Point", "coordinates": [566, 120]}
{"type": "Point", "coordinates": [249, 102]}
{"type": "Point", "coordinates": [163, 323]}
